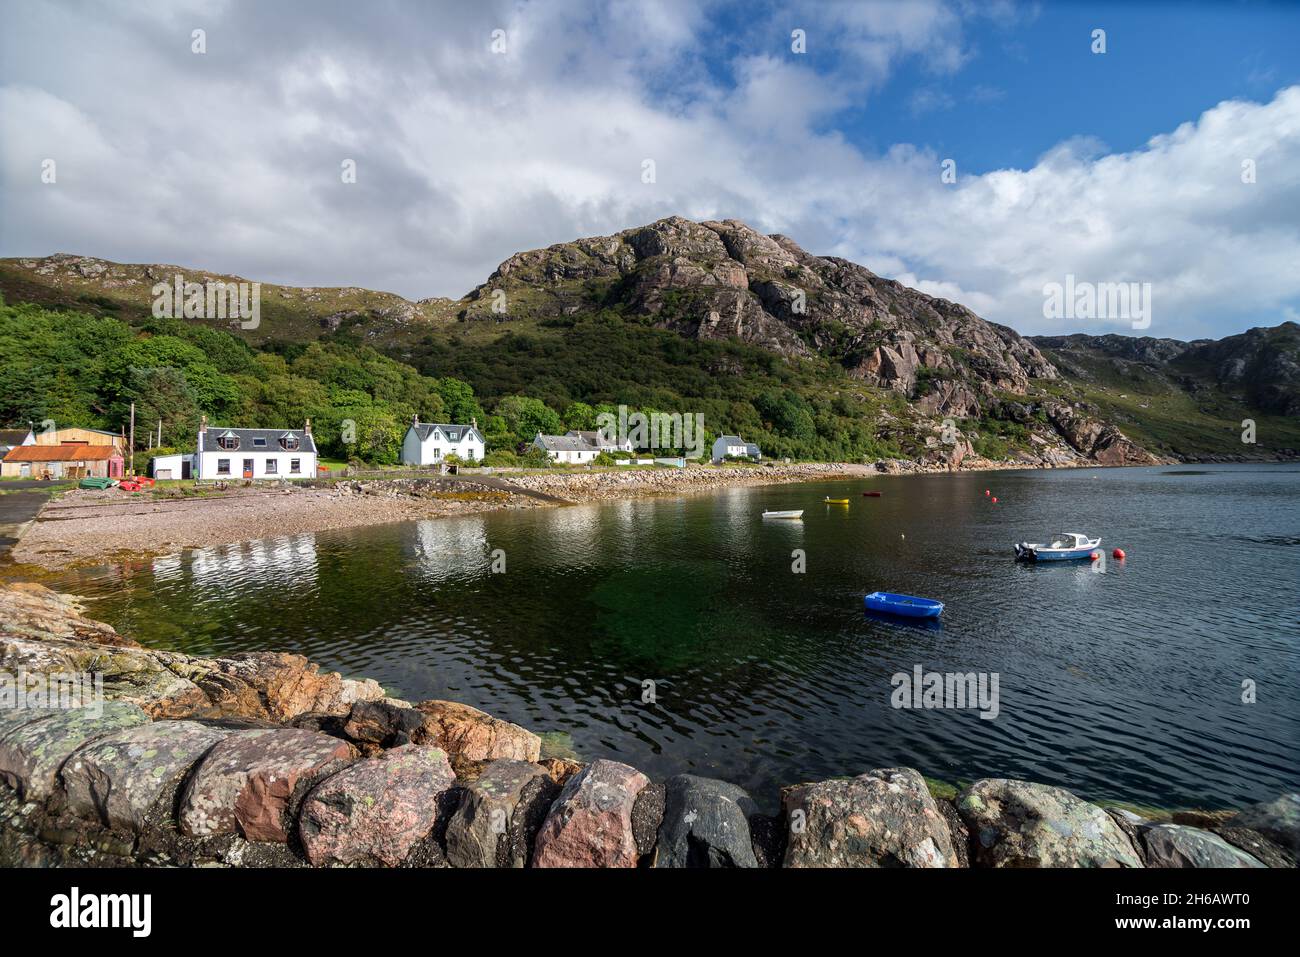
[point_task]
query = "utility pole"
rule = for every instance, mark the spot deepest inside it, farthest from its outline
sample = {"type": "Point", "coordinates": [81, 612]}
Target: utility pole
{"type": "Point", "coordinates": [132, 438]}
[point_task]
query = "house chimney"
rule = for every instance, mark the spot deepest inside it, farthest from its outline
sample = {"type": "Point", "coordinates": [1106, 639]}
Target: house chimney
{"type": "Point", "coordinates": [473, 422]}
{"type": "Point", "coordinates": [203, 424]}
{"type": "Point", "coordinates": [415, 419]}
{"type": "Point", "coordinates": [307, 428]}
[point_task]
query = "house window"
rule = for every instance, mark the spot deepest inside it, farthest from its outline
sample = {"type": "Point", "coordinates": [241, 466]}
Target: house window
{"type": "Point", "coordinates": [437, 452]}
{"type": "Point", "coordinates": [259, 443]}
{"type": "Point", "coordinates": [228, 441]}
{"type": "Point", "coordinates": [223, 466]}
{"type": "Point", "coordinates": [289, 442]}
{"type": "Point", "coordinates": [295, 466]}
{"type": "Point", "coordinates": [271, 467]}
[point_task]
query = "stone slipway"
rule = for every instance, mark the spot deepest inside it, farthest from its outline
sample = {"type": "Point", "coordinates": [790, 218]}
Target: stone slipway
{"type": "Point", "coordinates": [264, 760]}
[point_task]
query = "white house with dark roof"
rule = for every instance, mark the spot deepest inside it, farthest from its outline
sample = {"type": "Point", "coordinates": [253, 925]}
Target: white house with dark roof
{"type": "Point", "coordinates": [428, 443]}
{"type": "Point", "coordinates": [599, 440]}
{"type": "Point", "coordinates": [736, 447]}
{"type": "Point", "coordinates": [571, 449]}
{"type": "Point", "coordinates": [254, 453]}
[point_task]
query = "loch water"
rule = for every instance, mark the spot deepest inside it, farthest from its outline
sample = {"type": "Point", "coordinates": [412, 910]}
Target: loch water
{"type": "Point", "coordinates": [1119, 680]}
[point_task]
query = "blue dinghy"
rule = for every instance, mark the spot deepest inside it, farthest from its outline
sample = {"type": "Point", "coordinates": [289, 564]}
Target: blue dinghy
{"type": "Point", "coordinates": [908, 606]}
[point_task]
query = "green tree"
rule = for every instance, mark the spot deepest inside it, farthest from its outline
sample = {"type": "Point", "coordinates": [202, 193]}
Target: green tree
{"type": "Point", "coordinates": [524, 417]}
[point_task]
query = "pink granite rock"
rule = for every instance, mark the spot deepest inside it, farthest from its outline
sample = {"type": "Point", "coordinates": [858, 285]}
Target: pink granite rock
{"type": "Point", "coordinates": [249, 781]}
{"type": "Point", "coordinates": [374, 811]}
{"type": "Point", "coordinates": [590, 824]}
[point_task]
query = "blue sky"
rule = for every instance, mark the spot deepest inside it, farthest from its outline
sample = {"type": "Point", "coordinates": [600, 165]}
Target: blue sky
{"type": "Point", "coordinates": [1034, 82]}
{"type": "Point", "coordinates": [1121, 167]}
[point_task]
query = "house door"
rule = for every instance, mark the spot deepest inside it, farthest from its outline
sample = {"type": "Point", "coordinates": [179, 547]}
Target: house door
{"type": "Point", "coordinates": [185, 469]}
{"type": "Point", "coordinates": [248, 468]}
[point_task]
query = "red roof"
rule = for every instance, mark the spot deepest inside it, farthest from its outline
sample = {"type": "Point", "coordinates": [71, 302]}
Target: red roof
{"type": "Point", "coordinates": [62, 453]}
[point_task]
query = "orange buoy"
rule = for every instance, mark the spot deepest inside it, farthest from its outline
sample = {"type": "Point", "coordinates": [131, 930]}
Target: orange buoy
{"type": "Point", "coordinates": [1094, 556]}
{"type": "Point", "coordinates": [1118, 554]}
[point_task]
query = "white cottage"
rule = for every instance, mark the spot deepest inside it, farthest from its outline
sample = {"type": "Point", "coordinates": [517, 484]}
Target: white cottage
{"type": "Point", "coordinates": [601, 442]}
{"type": "Point", "coordinates": [254, 453]}
{"type": "Point", "coordinates": [571, 449]}
{"type": "Point", "coordinates": [735, 446]}
{"type": "Point", "coordinates": [428, 443]}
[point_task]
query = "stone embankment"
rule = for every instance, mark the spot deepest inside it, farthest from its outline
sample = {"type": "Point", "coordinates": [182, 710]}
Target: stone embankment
{"type": "Point", "coordinates": [263, 760]}
{"type": "Point", "coordinates": [598, 486]}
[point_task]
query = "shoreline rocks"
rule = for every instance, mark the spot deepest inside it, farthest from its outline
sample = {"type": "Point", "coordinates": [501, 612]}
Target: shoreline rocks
{"type": "Point", "coordinates": [196, 762]}
{"type": "Point", "coordinates": [590, 824]}
{"type": "Point", "coordinates": [375, 811]}
{"type": "Point", "coordinates": [884, 818]}
{"type": "Point", "coordinates": [1022, 824]}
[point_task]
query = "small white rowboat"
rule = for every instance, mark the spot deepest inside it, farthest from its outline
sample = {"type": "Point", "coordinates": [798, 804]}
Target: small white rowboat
{"type": "Point", "coordinates": [790, 513]}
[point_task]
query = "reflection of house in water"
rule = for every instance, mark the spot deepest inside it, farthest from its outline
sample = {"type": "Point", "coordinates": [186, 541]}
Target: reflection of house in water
{"type": "Point", "coordinates": [447, 549]}
{"type": "Point", "coordinates": [167, 568]}
{"type": "Point", "coordinates": [282, 562]}
{"type": "Point", "coordinates": [572, 535]}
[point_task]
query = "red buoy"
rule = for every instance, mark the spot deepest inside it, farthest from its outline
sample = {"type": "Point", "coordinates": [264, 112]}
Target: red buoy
{"type": "Point", "coordinates": [1118, 554]}
{"type": "Point", "coordinates": [986, 491]}
{"type": "Point", "coordinates": [995, 500]}
{"type": "Point", "coordinates": [1094, 556]}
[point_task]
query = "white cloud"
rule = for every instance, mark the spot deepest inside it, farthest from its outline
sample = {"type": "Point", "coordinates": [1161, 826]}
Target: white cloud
{"type": "Point", "coordinates": [230, 160]}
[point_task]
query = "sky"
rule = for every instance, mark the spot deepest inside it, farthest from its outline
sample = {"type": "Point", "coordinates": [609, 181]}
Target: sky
{"type": "Point", "coordinates": [483, 128]}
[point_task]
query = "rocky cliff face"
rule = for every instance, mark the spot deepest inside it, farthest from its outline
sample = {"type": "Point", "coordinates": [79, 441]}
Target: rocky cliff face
{"type": "Point", "coordinates": [721, 280]}
{"type": "Point", "coordinates": [1259, 367]}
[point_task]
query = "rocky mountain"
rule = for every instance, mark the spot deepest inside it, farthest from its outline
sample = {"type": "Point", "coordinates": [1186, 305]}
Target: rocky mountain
{"type": "Point", "coordinates": [724, 280]}
{"type": "Point", "coordinates": [959, 385]}
{"type": "Point", "coordinates": [1260, 366]}
{"type": "Point", "coordinates": [1211, 386]}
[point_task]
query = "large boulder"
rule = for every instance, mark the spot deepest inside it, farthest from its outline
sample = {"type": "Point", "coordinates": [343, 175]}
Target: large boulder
{"type": "Point", "coordinates": [590, 824]}
{"type": "Point", "coordinates": [13, 718]}
{"type": "Point", "coordinates": [705, 824]}
{"type": "Point", "coordinates": [374, 811]}
{"type": "Point", "coordinates": [384, 722]}
{"type": "Point", "coordinates": [132, 675]}
{"type": "Point", "coordinates": [1176, 845]}
{"type": "Point", "coordinates": [499, 815]}
{"type": "Point", "coordinates": [31, 753]}
{"type": "Point", "coordinates": [1268, 852]}
{"type": "Point", "coordinates": [465, 732]}
{"type": "Point", "coordinates": [1021, 824]}
{"type": "Point", "coordinates": [883, 818]}
{"type": "Point", "coordinates": [251, 781]}
{"type": "Point", "coordinates": [119, 777]}
{"type": "Point", "coordinates": [1278, 820]}
{"type": "Point", "coordinates": [273, 686]}
{"type": "Point", "coordinates": [31, 610]}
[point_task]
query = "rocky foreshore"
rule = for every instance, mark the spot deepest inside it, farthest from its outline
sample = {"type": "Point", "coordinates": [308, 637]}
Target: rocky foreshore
{"type": "Point", "coordinates": [264, 760]}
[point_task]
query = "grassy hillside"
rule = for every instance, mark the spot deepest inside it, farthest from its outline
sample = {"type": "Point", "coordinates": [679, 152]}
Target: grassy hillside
{"type": "Point", "coordinates": [576, 340]}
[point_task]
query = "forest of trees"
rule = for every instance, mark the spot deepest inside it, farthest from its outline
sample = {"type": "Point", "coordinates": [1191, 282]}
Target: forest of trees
{"type": "Point", "coordinates": [79, 369]}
